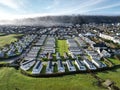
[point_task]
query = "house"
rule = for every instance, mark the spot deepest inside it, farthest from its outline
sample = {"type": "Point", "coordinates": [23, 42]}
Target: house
{"type": "Point", "coordinates": [49, 46]}
{"type": "Point", "coordinates": [29, 58]}
{"type": "Point", "coordinates": [80, 42]}
{"type": "Point", "coordinates": [49, 68]}
{"type": "Point", "coordinates": [96, 57]}
{"type": "Point", "coordinates": [48, 51]}
{"type": "Point", "coordinates": [23, 45]}
{"type": "Point", "coordinates": [115, 39]}
{"type": "Point", "coordinates": [70, 65]}
{"type": "Point", "coordinates": [87, 40]}
{"type": "Point", "coordinates": [73, 56]}
{"type": "Point", "coordinates": [116, 51]}
{"type": "Point", "coordinates": [2, 54]}
{"type": "Point", "coordinates": [75, 50]}
{"type": "Point", "coordinates": [41, 40]}
{"type": "Point", "coordinates": [89, 34]}
{"type": "Point", "coordinates": [50, 57]}
{"type": "Point", "coordinates": [11, 53]}
{"type": "Point", "coordinates": [27, 64]}
{"type": "Point", "coordinates": [99, 46]}
{"type": "Point", "coordinates": [93, 54]}
{"type": "Point", "coordinates": [89, 64]}
{"type": "Point", "coordinates": [50, 42]}
{"type": "Point", "coordinates": [32, 54]}
{"type": "Point", "coordinates": [72, 43]}
{"type": "Point", "coordinates": [37, 68]}
{"type": "Point", "coordinates": [58, 56]}
{"type": "Point", "coordinates": [61, 67]}
{"type": "Point", "coordinates": [106, 36]}
{"type": "Point", "coordinates": [80, 65]}
{"type": "Point", "coordinates": [66, 56]}
{"type": "Point", "coordinates": [42, 55]}
{"type": "Point", "coordinates": [5, 49]}
{"type": "Point", "coordinates": [103, 53]}
{"type": "Point", "coordinates": [99, 64]}
{"type": "Point", "coordinates": [73, 47]}
{"type": "Point", "coordinates": [19, 49]}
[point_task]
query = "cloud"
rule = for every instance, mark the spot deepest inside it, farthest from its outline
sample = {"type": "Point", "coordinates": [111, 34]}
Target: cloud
{"type": "Point", "coordinates": [9, 3]}
{"type": "Point", "coordinates": [105, 7]}
{"type": "Point", "coordinates": [14, 4]}
{"type": "Point", "coordinates": [7, 16]}
{"type": "Point", "coordinates": [26, 8]}
{"type": "Point", "coordinates": [83, 6]}
{"type": "Point", "coordinates": [54, 4]}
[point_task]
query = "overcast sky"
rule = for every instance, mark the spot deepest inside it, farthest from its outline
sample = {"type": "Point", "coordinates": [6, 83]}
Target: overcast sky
{"type": "Point", "coordinates": [10, 9]}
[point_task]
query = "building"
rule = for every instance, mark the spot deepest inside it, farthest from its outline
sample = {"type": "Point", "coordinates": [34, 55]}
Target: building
{"type": "Point", "coordinates": [27, 65]}
{"type": "Point", "coordinates": [70, 65]}
{"type": "Point", "coordinates": [103, 53]}
{"type": "Point", "coordinates": [93, 54]}
{"type": "Point", "coordinates": [99, 64]}
{"type": "Point", "coordinates": [73, 56]}
{"type": "Point", "coordinates": [49, 46]}
{"type": "Point", "coordinates": [75, 50]}
{"type": "Point", "coordinates": [11, 53]}
{"type": "Point", "coordinates": [99, 46]}
{"type": "Point", "coordinates": [61, 67]}
{"type": "Point", "coordinates": [49, 68]}
{"type": "Point", "coordinates": [50, 57]}
{"type": "Point", "coordinates": [89, 64]}
{"type": "Point", "coordinates": [32, 54]}
{"type": "Point", "coordinates": [80, 65]}
{"type": "Point", "coordinates": [66, 56]}
{"type": "Point", "coordinates": [37, 68]}
{"type": "Point", "coordinates": [41, 40]}
{"type": "Point", "coordinates": [19, 49]}
{"type": "Point", "coordinates": [58, 56]}
{"type": "Point", "coordinates": [89, 34]}
{"type": "Point", "coordinates": [1, 54]}
{"type": "Point", "coordinates": [72, 43]}
{"type": "Point", "coordinates": [105, 36]}
{"type": "Point", "coordinates": [115, 39]}
{"type": "Point", "coordinates": [80, 42]}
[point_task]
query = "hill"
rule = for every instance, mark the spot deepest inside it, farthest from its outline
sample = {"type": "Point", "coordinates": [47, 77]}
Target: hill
{"type": "Point", "coordinates": [63, 20]}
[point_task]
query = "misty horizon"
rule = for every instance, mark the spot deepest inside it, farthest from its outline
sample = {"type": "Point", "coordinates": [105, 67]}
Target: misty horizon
{"type": "Point", "coordinates": [20, 9]}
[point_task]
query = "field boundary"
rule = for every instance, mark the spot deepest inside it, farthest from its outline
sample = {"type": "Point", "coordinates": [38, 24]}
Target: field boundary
{"type": "Point", "coordinates": [57, 74]}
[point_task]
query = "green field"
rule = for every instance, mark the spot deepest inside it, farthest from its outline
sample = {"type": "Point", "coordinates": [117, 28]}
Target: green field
{"type": "Point", "coordinates": [114, 61]}
{"type": "Point", "coordinates": [1, 34]}
{"type": "Point", "coordinates": [11, 79]}
{"type": "Point", "coordinates": [7, 39]}
{"type": "Point", "coordinates": [62, 47]}
{"type": "Point", "coordinates": [113, 75]}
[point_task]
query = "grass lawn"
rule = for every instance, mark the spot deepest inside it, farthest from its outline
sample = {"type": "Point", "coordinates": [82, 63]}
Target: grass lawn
{"type": "Point", "coordinates": [2, 62]}
{"type": "Point", "coordinates": [7, 39]}
{"type": "Point", "coordinates": [114, 61]}
{"type": "Point", "coordinates": [2, 34]}
{"type": "Point", "coordinates": [43, 71]}
{"type": "Point", "coordinates": [113, 75]}
{"type": "Point", "coordinates": [62, 47]}
{"type": "Point", "coordinates": [11, 79]}
{"type": "Point", "coordinates": [55, 68]}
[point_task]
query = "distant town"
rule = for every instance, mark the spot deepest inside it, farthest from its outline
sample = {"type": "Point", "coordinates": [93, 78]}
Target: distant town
{"type": "Point", "coordinates": [83, 47]}
{"type": "Point", "coordinates": [60, 50]}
